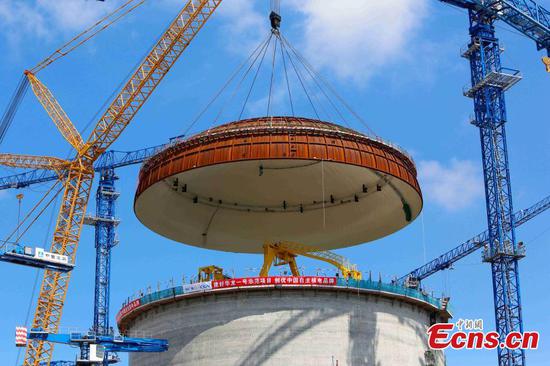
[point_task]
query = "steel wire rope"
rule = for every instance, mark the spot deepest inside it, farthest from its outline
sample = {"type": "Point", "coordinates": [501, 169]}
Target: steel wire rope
{"type": "Point", "coordinates": [222, 109]}
{"type": "Point", "coordinates": [287, 80]}
{"type": "Point", "coordinates": [316, 81]}
{"type": "Point", "coordinates": [22, 88]}
{"type": "Point", "coordinates": [115, 91]}
{"type": "Point", "coordinates": [323, 189]}
{"type": "Point", "coordinates": [275, 6]}
{"type": "Point", "coordinates": [334, 92]}
{"type": "Point", "coordinates": [312, 77]}
{"type": "Point", "coordinates": [271, 81]}
{"type": "Point", "coordinates": [13, 106]}
{"type": "Point", "coordinates": [315, 97]}
{"type": "Point", "coordinates": [40, 213]}
{"type": "Point", "coordinates": [118, 87]}
{"type": "Point", "coordinates": [29, 214]}
{"type": "Point", "coordinates": [223, 88]}
{"type": "Point", "coordinates": [61, 52]}
{"type": "Point", "coordinates": [255, 78]}
{"type": "Point", "coordinates": [37, 273]}
{"type": "Point", "coordinates": [301, 82]}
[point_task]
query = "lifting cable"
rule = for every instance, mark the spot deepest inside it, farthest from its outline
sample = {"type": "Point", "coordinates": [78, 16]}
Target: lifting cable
{"type": "Point", "coordinates": [330, 87]}
{"type": "Point", "coordinates": [31, 212]}
{"type": "Point", "coordinates": [272, 76]}
{"type": "Point", "coordinates": [223, 88]}
{"type": "Point", "coordinates": [315, 79]}
{"type": "Point", "coordinates": [37, 273]}
{"type": "Point", "coordinates": [255, 78]}
{"type": "Point", "coordinates": [320, 95]}
{"type": "Point", "coordinates": [13, 106]}
{"type": "Point", "coordinates": [73, 44]}
{"type": "Point", "coordinates": [287, 81]}
{"type": "Point", "coordinates": [301, 81]}
{"type": "Point", "coordinates": [263, 47]}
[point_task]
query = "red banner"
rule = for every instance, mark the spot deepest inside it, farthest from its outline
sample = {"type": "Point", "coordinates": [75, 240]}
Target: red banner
{"type": "Point", "coordinates": [127, 308]}
{"type": "Point", "coordinates": [278, 280]}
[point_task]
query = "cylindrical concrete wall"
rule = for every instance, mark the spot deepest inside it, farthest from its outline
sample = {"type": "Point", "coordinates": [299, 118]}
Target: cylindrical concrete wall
{"type": "Point", "coordinates": [289, 327]}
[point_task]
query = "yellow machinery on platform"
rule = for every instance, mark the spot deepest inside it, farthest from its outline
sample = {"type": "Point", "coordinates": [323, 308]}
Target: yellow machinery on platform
{"type": "Point", "coordinates": [77, 174]}
{"type": "Point", "coordinates": [285, 252]}
{"type": "Point", "coordinates": [210, 273]}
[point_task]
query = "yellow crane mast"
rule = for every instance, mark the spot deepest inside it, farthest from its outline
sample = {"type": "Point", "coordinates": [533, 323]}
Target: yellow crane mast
{"type": "Point", "coordinates": [78, 173]}
{"type": "Point", "coordinates": [285, 252]}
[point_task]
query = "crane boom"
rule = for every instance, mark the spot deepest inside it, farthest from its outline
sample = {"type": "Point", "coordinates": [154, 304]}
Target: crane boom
{"type": "Point", "coordinates": [527, 16]}
{"type": "Point", "coordinates": [109, 160]}
{"type": "Point", "coordinates": [56, 113]}
{"type": "Point", "coordinates": [150, 73]}
{"type": "Point", "coordinates": [81, 172]}
{"type": "Point", "coordinates": [33, 162]}
{"type": "Point", "coordinates": [446, 260]}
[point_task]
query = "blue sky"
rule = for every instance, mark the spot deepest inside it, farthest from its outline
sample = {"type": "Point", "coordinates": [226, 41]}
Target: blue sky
{"type": "Point", "coordinates": [398, 65]}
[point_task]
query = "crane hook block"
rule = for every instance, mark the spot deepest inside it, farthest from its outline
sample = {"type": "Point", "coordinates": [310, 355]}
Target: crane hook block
{"type": "Point", "coordinates": [275, 20]}
{"type": "Point", "coordinates": [546, 62]}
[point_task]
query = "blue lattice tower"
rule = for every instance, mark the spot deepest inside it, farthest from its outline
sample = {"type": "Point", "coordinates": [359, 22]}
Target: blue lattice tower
{"type": "Point", "coordinates": [489, 82]}
{"type": "Point", "coordinates": [105, 223]}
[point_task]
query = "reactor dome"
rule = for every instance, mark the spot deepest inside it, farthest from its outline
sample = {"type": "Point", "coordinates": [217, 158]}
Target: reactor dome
{"type": "Point", "coordinates": [236, 186]}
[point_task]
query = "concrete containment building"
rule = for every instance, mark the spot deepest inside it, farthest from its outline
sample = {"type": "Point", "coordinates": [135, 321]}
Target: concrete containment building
{"type": "Point", "coordinates": [292, 325]}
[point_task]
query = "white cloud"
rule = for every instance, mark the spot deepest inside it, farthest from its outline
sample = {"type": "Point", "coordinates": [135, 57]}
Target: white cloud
{"type": "Point", "coordinates": [18, 18]}
{"type": "Point", "coordinates": [245, 26]}
{"type": "Point", "coordinates": [74, 15]}
{"type": "Point", "coordinates": [352, 39]}
{"type": "Point", "coordinates": [455, 186]}
{"type": "Point", "coordinates": [356, 38]}
{"type": "Point", "coordinates": [43, 19]}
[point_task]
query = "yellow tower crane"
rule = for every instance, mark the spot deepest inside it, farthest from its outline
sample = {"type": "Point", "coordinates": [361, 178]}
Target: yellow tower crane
{"type": "Point", "coordinates": [285, 252]}
{"type": "Point", "coordinates": [77, 174]}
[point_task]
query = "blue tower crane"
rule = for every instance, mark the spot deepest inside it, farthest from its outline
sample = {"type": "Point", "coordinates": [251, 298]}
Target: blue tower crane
{"type": "Point", "coordinates": [526, 16]}
{"type": "Point", "coordinates": [105, 223]}
{"type": "Point", "coordinates": [99, 344]}
{"type": "Point", "coordinates": [489, 81]}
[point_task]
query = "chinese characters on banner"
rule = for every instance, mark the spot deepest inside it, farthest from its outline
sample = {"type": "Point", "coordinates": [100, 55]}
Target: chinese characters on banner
{"type": "Point", "coordinates": [127, 308]}
{"type": "Point", "coordinates": [279, 280]}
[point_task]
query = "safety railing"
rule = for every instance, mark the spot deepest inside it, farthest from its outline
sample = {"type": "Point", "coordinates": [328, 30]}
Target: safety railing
{"type": "Point", "coordinates": [142, 298]}
{"type": "Point", "coordinates": [391, 288]}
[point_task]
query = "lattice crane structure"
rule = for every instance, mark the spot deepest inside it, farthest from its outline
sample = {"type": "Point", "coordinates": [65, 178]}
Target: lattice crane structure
{"type": "Point", "coordinates": [77, 174]}
{"type": "Point", "coordinates": [104, 222]}
{"type": "Point", "coordinates": [489, 81]}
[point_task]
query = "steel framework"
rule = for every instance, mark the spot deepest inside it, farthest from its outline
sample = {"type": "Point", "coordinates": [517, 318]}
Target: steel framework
{"type": "Point", "coordinates": [105, 223]}
{"type": "Point", "coordinates": [446, 260]}
{"type": "Point", "coordinates": [80, 171]}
